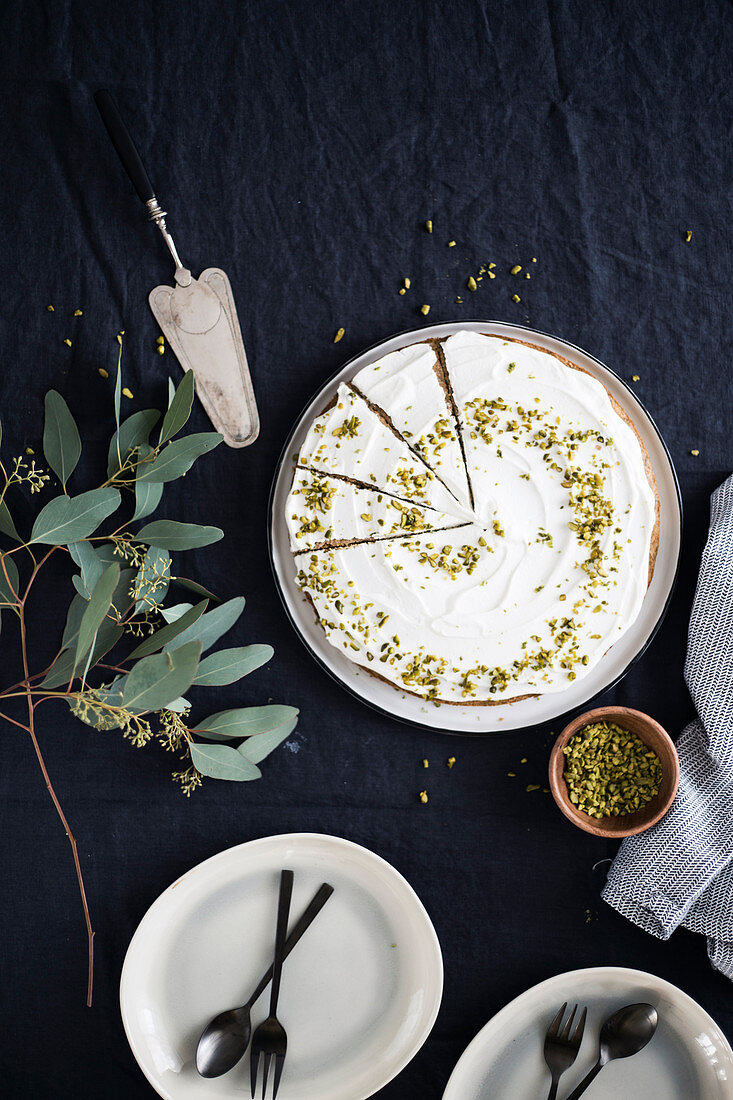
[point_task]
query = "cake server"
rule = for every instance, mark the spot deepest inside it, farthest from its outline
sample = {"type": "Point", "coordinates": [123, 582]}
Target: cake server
{"type": "Point", "coordinates": [198, 316]}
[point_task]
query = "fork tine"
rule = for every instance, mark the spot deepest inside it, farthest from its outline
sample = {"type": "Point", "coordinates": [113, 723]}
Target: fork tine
{"type": "Point", "coordinates": [577, 1037]}
{"type": "Point", "coordinates": [279, 1063]}
{"type": "Point", "coordinates": [553, 1028]}
{"type": "Point", "coordinates": [266, 1062]}
{"type": "Point", "coordinates": [566, 1030]}
{"type": "Point", "coordinates": [254, 1065]}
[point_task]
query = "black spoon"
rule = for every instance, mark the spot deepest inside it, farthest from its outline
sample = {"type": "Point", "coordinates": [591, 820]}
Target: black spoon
{"type": "Point", "coordinates": [625, 1033]}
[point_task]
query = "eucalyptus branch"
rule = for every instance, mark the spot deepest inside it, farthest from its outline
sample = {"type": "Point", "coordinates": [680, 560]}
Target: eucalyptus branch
{"type": "Point", "coordinates": [120, 606]}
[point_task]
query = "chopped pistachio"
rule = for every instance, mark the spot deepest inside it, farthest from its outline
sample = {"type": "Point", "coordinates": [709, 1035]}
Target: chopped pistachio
{"type": "Point", "coordinates": [527, 275]}
{"type": "Point", "coordinates": [425, 310]}
{"type": "Point", "coordinates": [450, 761]}
{"type": "Point", "coordinates": [534, 259]}
{"type": "Point", "coordinates": [429, 226]}
{"type": "Point", "coordinates": [516, 269]}
{"type": "Point", "coordinates": [688, 235]}
{"type": "Point", "coordinates": [160, 340]}
{"type": "Point", "coordinates": [102, 372]}
{"type": "Point", "coordinates": [77, 313]}
{"type": "Point", "coordinates": [471, 283]}
{"type": "Point", "coordinates": [402, 290]}
{"type": "Point", "coordinates": [634, 377]}
{"type": "Point", "coordinates": [408, 283]}
{"type": "Point", "coordinates": [695, 452]}
{"type": "Point", "coordinates": [533, 786]}
{"type": "Point", "coordinates": [68, 343]}
{"type": "Point", "coordinates": [516, 298]}
{"type": "Point", "coordinates": [451, 244]}
{"type": "Point", "coordinates": [160, 349]}
{"type": "Point", "coordinates": [425, 764]}
{"type": "Point", "coordinates": [50, 309]}
{"type": "Point", "coordinates": [29, 451]}
{"type": "Point", "coordinates": [610, 771]}
{"type": "Point", "coordinates": [423, 796]}
{"type": "Point", "coordinates": [338, 335]}
{"type": "Point", "coordinates": [127, 392]}
{"type": "Point", "coordinates": [491, 274]}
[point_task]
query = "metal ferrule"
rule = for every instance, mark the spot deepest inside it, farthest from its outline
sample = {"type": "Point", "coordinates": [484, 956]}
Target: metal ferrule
{"type": "Point", "coordinates": [157, 215]}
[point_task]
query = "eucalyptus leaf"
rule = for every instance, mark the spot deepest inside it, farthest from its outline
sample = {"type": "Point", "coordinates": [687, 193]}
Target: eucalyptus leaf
{"type": "Point", "coordinates": [156, 681]}
{"type": "Point", "coordinates": [106, 553]}
{"type": "Point", "coordinates": [96, 610]}
{"type": "Point", "coordinates": [68, 519]}
{"type": "Point", "coordinates": [65, 666]}
{"type": "Point", "coordinates": [121, 598]}
{"type": "Point", "coordinates": [61, 441]}
{"type": "Point", "coordinates": [229, 665]}
{"type": "Point", "coordinates": [179, 456]}
{"type": "Point", "coordinates": [133, 432]}
{"type": "Point", "coordinates": [257, 748]}
{"type": "Point", "coordinates": [118, 385]}
{"type": "Point", "coordinates": [10, 583]}
{"type": "Point", "coordinates": [152, 579]}
{"type": "Point", "coordinates": [170, 632]}
{"type": "Point", "coordinates": [6, 523]}
{"type": "Point", "coordinates": [88, 561]}
{"type": "Point", "coordinates": [74, 615]}
{"type": "Point", "coordinates": [171, 391]}
{"type": "Point", "coordinates": [173, 535]}
{"type": "Point", "coordinates": [222, 762]}
{"type": "Point", "coordinates": [171, 614]}
{"type": "Point", "coordinates": [210, 627]}
{"type": "Point", "coordinates": [195, 587]}
{"type": "Point", "coordinates": [247, 721]}
{"type": "Point", "coordinates": [179, 409]}
{"type": "Point", "coordinates": [178, 705]}
{"type": "Point", "coordinates": [147, 498]}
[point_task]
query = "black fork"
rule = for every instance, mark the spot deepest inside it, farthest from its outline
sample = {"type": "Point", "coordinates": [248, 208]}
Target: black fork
{"type": "Point", "coordinates": [561, 1048]}
{"type": "Point", "coordinates": [269, 1042]}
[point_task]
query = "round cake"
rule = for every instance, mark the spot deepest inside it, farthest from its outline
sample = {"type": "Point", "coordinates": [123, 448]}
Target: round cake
{"type": "Point", "coordinates": [474, 520]}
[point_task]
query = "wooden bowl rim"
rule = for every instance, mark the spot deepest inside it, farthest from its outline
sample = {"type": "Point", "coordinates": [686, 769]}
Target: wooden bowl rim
{"type": "Point", "coordinates": [662, 744]}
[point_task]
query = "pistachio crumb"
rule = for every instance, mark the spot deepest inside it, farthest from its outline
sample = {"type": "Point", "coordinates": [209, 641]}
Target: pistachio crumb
{"type": "Point", "coordinates": [68, 343]}
{"type": "Point", "coordinates": [450, 761]}
{"type": "Point", "coordinates": [634, 377]}
{"type": "Point", "coordinates": [695, 453]}
{"type": "Point", "coordinates": [102, 372]}
{"type": "Point", "coordinates": [471, 283]}
{"type": "Point", "coordinates": [491, 274]}
{"type": "Point", "coordinates": [160, 349]}
{"type": "Point", "coordinates": [77, 313]}
{"type": "Point", "coordinates": [533, 787]}
{"type": "Point", "coordinates": [534, 259]}
{"type": "Point", "coordinates": [339, 335]}
{"type": "Point", "coordinates": [688, 235]}
{"type": "Point", "coordinates": [29, 451]}
{"type": "Point", "coordinates": [425, 310]}
{"type": "Point", "coordinates": [50, 309]}
{"type": "Point", "coordinates": [516, 269]}
{"type": "Point", "coordinates": [429, 227]}
{"type": "Point", "coordinates": [527, 275]}
{"type": "Point", "coordinates": [127, 392]}
{"type": "Point", "coordinates": [402, 290]}
{"type": "Point", "coordinates": [426, 764]}
{"type": "Point", "coordinates": [516, 298]}
{"type": "Point", "coordinates": [408, 282]}
{"type": "Point", "coordinates": [512, 775]}
{"type": "Point", "coordinates": [423, 796]}
{"type": "Point", "coordinates": [451, 244]}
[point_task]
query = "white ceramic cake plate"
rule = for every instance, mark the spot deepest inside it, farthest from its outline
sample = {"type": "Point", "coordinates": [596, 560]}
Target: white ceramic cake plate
{"type": "Point", "coordinates": [359, 994]}
{"type": "Point", "coordinates": [529, 712]}
{"type": "Point", "coordinates": [688, 1057]}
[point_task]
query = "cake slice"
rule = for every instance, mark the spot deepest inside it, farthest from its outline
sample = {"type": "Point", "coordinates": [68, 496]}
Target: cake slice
{"type": "Point", "coordinates": [351, 440]}
{"type": "Point", "coordinates": [325, 510]}
{"type": "Point", "coordinates": [407, 385]}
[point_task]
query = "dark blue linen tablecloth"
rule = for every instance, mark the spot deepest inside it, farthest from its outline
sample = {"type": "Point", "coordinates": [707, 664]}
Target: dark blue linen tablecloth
{"type": "Point", "coordinates": [302, 146]}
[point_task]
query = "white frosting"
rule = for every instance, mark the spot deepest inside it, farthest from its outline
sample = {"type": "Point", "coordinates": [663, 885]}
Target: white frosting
{"type": "Point", "coordinates": [406, 383]}
{"type": "Point", "coordinates": [518, 602]}
{"type": "Point", "coordinates": [328, 509]}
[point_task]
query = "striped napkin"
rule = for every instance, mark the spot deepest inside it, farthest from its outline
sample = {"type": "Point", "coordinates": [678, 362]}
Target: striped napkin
{"type": "Point", "coordinates": [680, 872]}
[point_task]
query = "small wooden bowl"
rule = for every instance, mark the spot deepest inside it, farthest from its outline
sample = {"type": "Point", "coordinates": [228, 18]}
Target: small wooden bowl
{"type": "Point", "coordinates": [656, 738]}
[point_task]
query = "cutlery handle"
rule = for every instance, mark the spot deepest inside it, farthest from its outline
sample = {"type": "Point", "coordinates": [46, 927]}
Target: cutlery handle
{"type": "Point", "coordinates": [302, 925]}
{"type": "Point", "coordinates": [552, 1094]}
{"type": "Point", "coordinates": [125, 146]}
{"type": "Point", "coordinates": [281, 932]}
{"type": "Point", "coordinates": [580, 1089]}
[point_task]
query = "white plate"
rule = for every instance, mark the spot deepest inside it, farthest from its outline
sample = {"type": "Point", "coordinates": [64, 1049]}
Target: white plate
{"type": "Point", "coordinates": [688, 1058]}
{"type": "Point", "coordinates": [359, 995]}
{"type": "Point", "coordinates": [528, 712]}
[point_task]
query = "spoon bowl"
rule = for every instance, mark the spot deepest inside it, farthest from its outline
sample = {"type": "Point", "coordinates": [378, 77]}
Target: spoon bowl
{"type": "Point", "coordinates": [224, 1041]}
{"type": "Point", "coordinates": [625, 1033]}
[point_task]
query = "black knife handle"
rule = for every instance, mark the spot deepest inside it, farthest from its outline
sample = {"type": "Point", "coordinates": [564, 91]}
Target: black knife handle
{"type": "Point", "coordinates": [125, 146]}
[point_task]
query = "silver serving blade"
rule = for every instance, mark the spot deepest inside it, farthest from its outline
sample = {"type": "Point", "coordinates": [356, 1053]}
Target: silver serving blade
{"type": "Point", "coordinates": [199, 320]}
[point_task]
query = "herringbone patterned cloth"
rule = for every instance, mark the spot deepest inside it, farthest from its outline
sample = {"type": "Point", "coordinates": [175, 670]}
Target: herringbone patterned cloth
{"type": "Point", "coordinates": [681, 870]}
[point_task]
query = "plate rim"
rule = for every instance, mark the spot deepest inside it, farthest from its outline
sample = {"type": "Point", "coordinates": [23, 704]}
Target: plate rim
{"type": "Point", "coordinates": [565, 715]}
{"type": "Point", "coordinates": [632, 972]}
{"type": "Point", "coordinates": [290, 838]}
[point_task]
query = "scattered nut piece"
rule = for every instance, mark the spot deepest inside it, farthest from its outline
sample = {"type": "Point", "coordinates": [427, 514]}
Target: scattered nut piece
{"type": "Point", "coordinates": [534, 259]}
{"type": "Point", "coordinates": [160, 340]}
{"type": "Point", "coordinates": [423, 796]}
{"type": "Point", "coordinates": [528, 276]}
{"type": "Point", "coordinates": [338, 335]}
{"type": "Point", "coordinates": [516, 269]}
{"type": "Point", "coordinates": [695, 452]}
{"type": "Point", "coordinates": [634, 377]}
{"type": "Point", "coordinates": [688, 235]}
{"type": "Point", "coordinates": [492, 275]}
{"type": "Point", "coordinates": [451, 244]}
{"type": "Point", "coordinates": [512, 775]}
{"type": "Point", "coordinates": [425, 764]}
{"type": "Point", "coordinates": [102, 372]}
{"type": "Point", "coordinates": [68, 343]}
{"type": "Point", "coordinates": [425, 310]}
{"type": "Point", "coordinates": [491, 267]}
{"type": "Point", "coordinates": [471, 283]}
{"type": "Point", "coordinates": [160, 349]}
{"type": "Point", "coordinates": [450, 761]}
{"type": "Point", "coordinates": [29, 451]}
{"type": "Point", "coordinates": [523, 760]}
{"type": "Point", "coordinates": [402, 290]}
{"type": "Point", "coordinates": [50, 309]}
{"type": "Point", "coordinates": [533, 786]}
{"type": "Point", "coordinates": [429, 227]}
{"type": "Point", "coordinates": [408, 283]}
{"type": "Point", "coordinates": [77, 313]}
{"type": "Point", "coordinates": [127, 392]}
{"type": "Point", "coordinates": [516, 298]}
